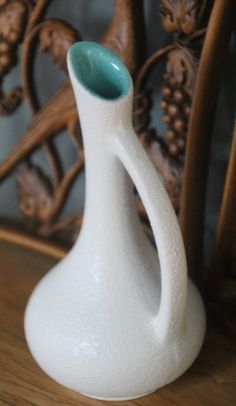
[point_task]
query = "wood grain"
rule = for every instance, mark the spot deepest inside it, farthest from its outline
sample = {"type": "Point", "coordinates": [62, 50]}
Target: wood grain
{"type": "Point", "coordinates": [224, 253]}
{"type": "Point", "coordinates": [211, 381]}
{"type": "Point", "coordinates": [31, 242]}
{"type": "Point", "coordinates": [199, 134]}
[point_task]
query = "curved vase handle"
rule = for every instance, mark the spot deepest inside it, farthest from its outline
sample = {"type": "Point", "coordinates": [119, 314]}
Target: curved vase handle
{"type": "Point", "coordinates": [166, 230]}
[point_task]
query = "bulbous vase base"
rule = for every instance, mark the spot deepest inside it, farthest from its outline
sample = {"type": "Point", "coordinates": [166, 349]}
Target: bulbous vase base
{"type": "Point", "coordinates": [108, 349]}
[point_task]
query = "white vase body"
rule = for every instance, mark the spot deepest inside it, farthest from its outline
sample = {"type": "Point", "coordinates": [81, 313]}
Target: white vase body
{"type": "Point", "coordinates": [111, 320]}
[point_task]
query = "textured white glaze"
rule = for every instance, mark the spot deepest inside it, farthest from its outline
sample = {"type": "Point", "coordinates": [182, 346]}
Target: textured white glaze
{"type": "Point", "coordinates": [111, 321]}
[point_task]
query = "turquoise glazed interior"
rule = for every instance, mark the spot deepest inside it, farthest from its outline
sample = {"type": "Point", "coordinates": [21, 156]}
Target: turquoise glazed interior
{"type": "Point", "coordinates": [99, 70]}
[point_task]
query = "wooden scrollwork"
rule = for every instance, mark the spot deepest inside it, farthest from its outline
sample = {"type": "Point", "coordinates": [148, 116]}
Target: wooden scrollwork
{"type": "Point", "coordinates": [41, 197]}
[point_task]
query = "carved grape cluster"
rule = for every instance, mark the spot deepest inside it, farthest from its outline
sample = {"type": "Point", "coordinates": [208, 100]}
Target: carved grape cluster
{"type": "Point", "coordinates": [176, 104]}
{"type": "Point", "coordinates": [12, 18]}
{"type": "Point", "coordinates": [13, 15]}
{"type": "Point", "coordinates": [181, 17]}
{"type": "Point", "coordinates": [6, 57]}
{"type": "Point", "coordinates": [177, 93]}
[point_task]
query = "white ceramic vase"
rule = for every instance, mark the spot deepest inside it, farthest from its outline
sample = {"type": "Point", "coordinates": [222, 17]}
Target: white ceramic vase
{"type": "Point", "coordinates": [112, 320]}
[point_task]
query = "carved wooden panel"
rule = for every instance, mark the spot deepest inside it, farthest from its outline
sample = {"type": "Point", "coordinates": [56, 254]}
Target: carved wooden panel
{"type": "Point", "coordinates": [184, 19]}
{"type": "Point", "coordinates": [42, 198]}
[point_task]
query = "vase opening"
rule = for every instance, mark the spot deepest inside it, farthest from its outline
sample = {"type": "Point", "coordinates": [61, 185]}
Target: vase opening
{"type": "Point", "coordinates": [99, 70]}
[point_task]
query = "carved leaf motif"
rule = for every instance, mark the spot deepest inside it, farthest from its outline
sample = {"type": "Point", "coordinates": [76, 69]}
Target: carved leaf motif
{"type": "Point", "coordinates": [179, 15]}
{"type": "Point", "coordinates": [57, 37]}
{"type": "Point", "coordinates": [12, 21]}
{"type": "Point", "coordinates": [182, 66]}
{"type": "Point", "coordinates": [71, 224]}
{"type": "Point", "coordinates": [34, 191]}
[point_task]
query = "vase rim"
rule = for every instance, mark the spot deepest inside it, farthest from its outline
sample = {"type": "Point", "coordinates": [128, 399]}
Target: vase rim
{"type": "Point", "coordinates": [99, 71]}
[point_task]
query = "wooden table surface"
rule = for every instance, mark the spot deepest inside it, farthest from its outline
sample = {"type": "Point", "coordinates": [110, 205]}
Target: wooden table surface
{"type": "Point", "coordinates": [211, 381]}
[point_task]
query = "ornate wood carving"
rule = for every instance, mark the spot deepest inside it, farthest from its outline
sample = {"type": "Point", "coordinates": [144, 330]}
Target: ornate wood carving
{"type": "Point", "coordinates": [13, 18]}
{"type": "Point", "coordinates": [41, 198]}
{"type": "Point", "coordinates": [180, 16]}
{"type": "Point", "coordinates": [184, 19]}
{"type": "Point", "coordinates": [180, 154]}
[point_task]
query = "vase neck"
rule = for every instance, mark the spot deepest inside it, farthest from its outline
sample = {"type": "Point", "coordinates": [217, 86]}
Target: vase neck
{"type": "Point", "coordinates": [104, 94]}
{"type": "Point", "coordinates": [100, 119]}
{"type": "Point", "coordinates": [103, 170]}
